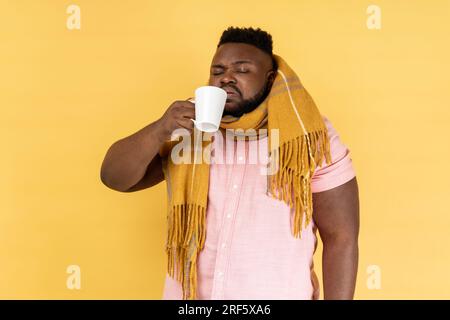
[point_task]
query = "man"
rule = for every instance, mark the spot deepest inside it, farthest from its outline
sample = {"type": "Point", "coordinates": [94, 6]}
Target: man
{"type": "Point", "coordinates": [245, 249]}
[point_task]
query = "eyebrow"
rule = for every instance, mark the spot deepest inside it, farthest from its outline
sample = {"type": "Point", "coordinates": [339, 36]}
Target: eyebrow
{"type": "Point", "coordinates": [234, 63]}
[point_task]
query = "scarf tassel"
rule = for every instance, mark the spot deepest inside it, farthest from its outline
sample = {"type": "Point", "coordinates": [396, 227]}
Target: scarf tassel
{"type": "Point", "coordinates": [296, 168]}
{"type": "Point", "coordinates": [185, 239]}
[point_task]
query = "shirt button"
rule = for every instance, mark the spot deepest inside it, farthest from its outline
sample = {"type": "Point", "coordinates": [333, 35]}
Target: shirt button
{"type": "Point", "coordinates": [220, 273]}
{"type": "Point", "coordinates": [235, 186]}
{"type": "Point", "coordinates": [223, 245]}
{"type": "Point", "coordinates": [228, 215]}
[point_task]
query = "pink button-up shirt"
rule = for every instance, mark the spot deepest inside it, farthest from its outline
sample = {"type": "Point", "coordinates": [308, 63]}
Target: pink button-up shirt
{"type": "Point", "coordinates": [250, 252]}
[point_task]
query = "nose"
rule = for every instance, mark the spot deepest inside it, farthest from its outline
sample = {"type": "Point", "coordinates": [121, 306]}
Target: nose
{"type": "Point", "coordinates": [227, 78]}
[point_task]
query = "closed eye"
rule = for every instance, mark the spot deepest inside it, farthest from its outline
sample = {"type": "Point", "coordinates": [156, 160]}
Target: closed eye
{"type": "Point", "coordinates": [216, 73]}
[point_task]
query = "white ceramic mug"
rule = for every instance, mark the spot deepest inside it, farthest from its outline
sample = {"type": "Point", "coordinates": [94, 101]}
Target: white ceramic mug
{"type": "Point", "coordinates": [209, 105]}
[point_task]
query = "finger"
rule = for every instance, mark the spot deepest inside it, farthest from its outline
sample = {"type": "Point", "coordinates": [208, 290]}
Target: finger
{"type": "Point", "coordinates": [186, 123]}
{"type": "Point", "coordinates": [187, 113]}
{"type": "Point", "coordinates": [189, 104]}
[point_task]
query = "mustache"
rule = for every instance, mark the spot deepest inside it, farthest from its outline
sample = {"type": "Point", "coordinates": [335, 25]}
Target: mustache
{"type": "Point", "coordinates": [235, 89]}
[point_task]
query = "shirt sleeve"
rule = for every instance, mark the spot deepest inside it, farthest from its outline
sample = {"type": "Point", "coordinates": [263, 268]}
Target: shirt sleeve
{"type": "Point", "coordinates": [340, 170]}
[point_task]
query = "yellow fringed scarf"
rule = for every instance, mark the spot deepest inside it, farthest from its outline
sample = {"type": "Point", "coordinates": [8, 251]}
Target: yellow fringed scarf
{"type": "Point", "coordinates": [303, 144]}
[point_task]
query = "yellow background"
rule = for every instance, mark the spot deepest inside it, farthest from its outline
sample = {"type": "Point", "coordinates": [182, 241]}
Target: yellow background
{"type": "Point", "coordinates": [67, 95]}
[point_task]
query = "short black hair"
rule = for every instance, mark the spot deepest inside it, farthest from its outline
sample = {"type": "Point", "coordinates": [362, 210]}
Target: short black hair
{"type": "Point", "coordinates": [256, 37]}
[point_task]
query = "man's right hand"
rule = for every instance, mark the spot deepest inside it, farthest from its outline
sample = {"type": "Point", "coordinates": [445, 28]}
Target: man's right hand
{"type": "Point", "coordinates": [178, 115]}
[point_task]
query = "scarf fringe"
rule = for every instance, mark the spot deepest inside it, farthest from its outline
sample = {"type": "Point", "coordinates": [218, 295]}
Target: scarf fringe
{"type": "Point", "coordinates": [186, 224]}
{"type": "Point", "coordinates": [296, 169]}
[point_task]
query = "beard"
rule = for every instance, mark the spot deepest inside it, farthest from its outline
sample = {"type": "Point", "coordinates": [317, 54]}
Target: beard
{"type": "Point", "coordinates": [248, 105]}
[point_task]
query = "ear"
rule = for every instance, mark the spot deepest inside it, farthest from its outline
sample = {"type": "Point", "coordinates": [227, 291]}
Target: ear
{"type": "Point", "coordinates": [271, 76]}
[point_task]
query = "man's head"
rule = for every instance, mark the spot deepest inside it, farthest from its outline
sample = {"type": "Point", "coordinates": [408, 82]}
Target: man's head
{"type": "Point", "coordinates": [243, 65]}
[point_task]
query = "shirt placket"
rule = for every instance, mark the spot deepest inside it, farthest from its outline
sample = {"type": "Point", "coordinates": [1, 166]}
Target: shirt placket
{"type": "Point", "coordinates": [228, 218]}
